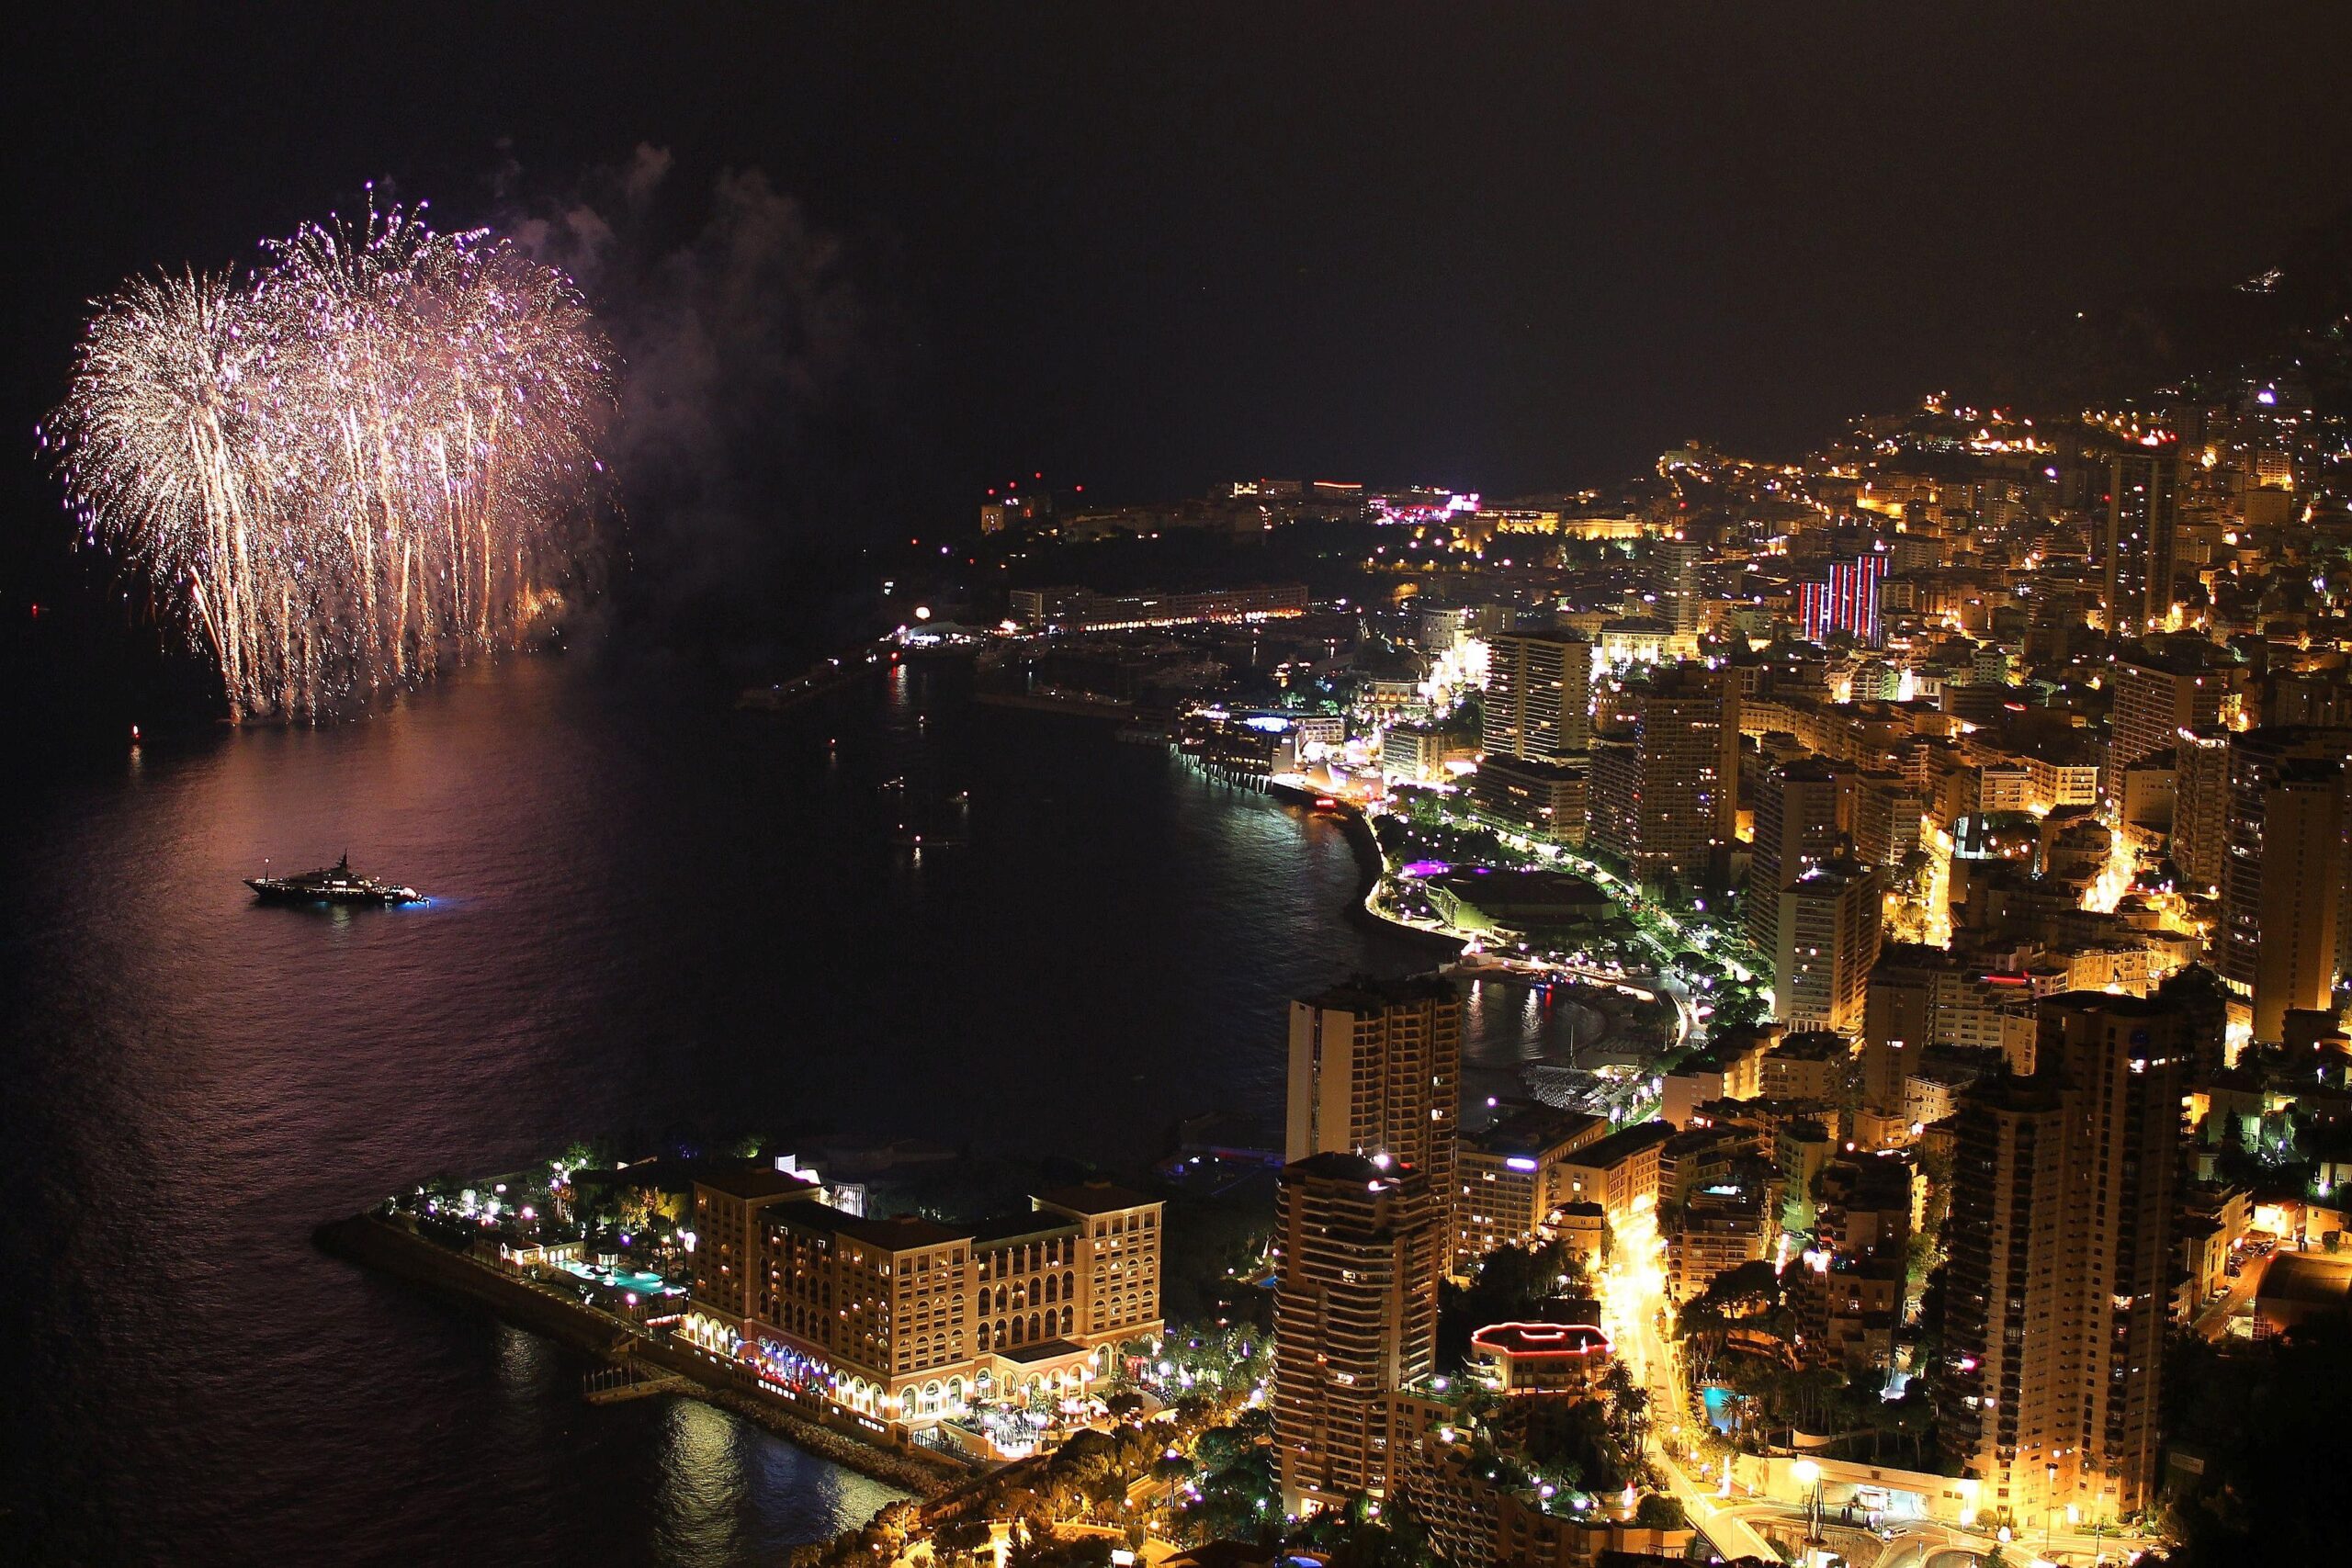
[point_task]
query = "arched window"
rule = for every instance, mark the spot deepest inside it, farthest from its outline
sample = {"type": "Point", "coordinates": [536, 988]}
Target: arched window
{"type": "Point", "coordinates": [1000, 1298]}
{"type": "Point", "coordinates": [1065, 1320]}
{"type": "Point", "coordinates": [1053, 1289]}
{"type": "Point", "coordinates": [1036, 1331]}
{"type": "Point", "coordinates": [1069, 1283]}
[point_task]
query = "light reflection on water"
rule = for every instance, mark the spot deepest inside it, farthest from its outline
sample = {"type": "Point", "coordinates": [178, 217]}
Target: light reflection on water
{"type": "Point", "coordinates": [652, 918]}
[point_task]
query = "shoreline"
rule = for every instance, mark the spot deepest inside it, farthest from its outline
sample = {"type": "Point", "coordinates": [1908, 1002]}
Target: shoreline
{"type": "Point", "coordinates": [386, 1249]}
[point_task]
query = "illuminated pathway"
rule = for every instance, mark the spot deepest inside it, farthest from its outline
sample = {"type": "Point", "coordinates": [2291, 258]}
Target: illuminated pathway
{"type": "Point", "coordinates": [1633, 1304]}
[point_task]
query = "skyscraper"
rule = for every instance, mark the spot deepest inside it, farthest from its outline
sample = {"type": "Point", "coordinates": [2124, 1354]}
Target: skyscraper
{"type": "Point", "coordinates": [2301, 848]}
{"type": "Point", "coordinates": [2201, 806]}
{"type": "Point", "coordinates": [1538, 703]}
{"type": "Point", "coordinates": [1828, 939]}
{"type": "Point", "coordinates": [1805, 814]}
{"type": "Point", "coordinates": [1678, 591]}
{"type": "Point", "coordinates": [1361, 1244]}
{"type": "Point", "coordinates": [1847, 603]}
{"type": "Point", "coordinates": [1376, 1068]}
{"type": "Point", "coordinates": [2061, 1263]}
{"type": "Point", "coordinates": [2159, 691]}
{"type": "Point", "coordinates": [1667, 794]}
{"type": "Point", "coordinates": [2136, 543]}
{"type": "Point", "coordinates": [2303, 892]}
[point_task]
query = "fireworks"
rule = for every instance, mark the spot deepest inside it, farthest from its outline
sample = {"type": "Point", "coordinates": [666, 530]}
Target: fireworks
{"type": "Point", "coordinates": [372, 456]}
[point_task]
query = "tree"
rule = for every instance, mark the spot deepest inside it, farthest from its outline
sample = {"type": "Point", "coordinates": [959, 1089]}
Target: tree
{"type": "Point", "coordinates": [1657, 1511]}
{"type": "Point", "coordinates": [960, 1541]}
{"type": "Point", "coordinates": [2268, 1421]}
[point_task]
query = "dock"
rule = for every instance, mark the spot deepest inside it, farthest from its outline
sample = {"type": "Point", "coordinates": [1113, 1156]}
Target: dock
{"type": "Point", "coordinates": [628, 1380]}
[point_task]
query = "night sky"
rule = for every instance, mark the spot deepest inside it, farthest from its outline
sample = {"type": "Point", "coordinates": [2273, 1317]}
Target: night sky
{"type": "Point", "coordinates": [1149, 248]}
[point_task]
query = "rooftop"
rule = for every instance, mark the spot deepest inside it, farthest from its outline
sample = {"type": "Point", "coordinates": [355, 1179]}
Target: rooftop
{"type": "Point", "coordinates": [1094, 1198]}
{"type": "Point", "coordinates": [1541, 1339]}
{"type": "Point", "coordinates": [755, 1180]}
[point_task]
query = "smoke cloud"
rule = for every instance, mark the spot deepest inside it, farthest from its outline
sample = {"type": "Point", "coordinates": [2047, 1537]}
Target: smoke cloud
{"type": "Point", "coordinates": [753, 417]}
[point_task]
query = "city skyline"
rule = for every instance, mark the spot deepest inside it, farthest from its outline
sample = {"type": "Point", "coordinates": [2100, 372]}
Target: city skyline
{"type": "Point", "coordinates": [1552, 788]}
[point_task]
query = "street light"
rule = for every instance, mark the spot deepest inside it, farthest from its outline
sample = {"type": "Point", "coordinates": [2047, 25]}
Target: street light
{"type": "Point", "coordinates": [1808, 1476]}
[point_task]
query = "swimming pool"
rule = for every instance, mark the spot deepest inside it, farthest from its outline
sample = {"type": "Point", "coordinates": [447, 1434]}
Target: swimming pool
{"type": "Point", "coordinates": [620, 1279]}
{"type": "Point", "coordinates": [1719, 1403]}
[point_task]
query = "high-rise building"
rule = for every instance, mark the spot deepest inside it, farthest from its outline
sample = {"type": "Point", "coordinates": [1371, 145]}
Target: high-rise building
{"type": "Point", "coordinates": [1919, 996]}
{"type": "Point", "coordinates": [2303, 892]}
{"type": "Point", "coordinates": [1847, 603]}
{"type": "Point", "coordinates": [1361, 1244]}
{"type": "Point", "coordinates": [1666, 792]}
{"type": "Point", "coordinates": [2159, 691]}
{"type": "Point", "coordinates": [2061, 1263]}
{"type": "Point", "coordinates": [1887, 812]}
{"type": "Point", "coordinates": [1827, 941]}
{"type": "Point", "coordinates": [2299, 846]}
{"type": "Point", "coordinates": [1542, 800]}
{"type": "Point", "coordinates": [2201, 806]}
{"type": "Point", "coordinates": [2136, 554]}
{"type": "Point", "coordinates": [1805, 814]}
{"type": "Point", "coordinates": [1538, 703]}
{"type": "Point", "coordinates": [1376, 1068]}
{"type": "Point", "coordinates": [1678, 591]}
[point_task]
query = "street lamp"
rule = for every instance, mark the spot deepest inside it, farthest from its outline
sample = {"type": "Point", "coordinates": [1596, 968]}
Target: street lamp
{"type": "Point", "coordinates": [1808, 1476]}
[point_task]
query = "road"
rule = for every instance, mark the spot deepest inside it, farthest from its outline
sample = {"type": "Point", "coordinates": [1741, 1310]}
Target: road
{"type": "Point", "coordinates": [1636, 1329]}
{"type": "Point", "coordinates": [2214, 1319]}
{"type": "Point", "coordinates": [1636, 1304]}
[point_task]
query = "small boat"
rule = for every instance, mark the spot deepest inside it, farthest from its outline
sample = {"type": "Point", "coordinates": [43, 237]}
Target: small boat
{"type": "Point", "coordinates": [337, 883]}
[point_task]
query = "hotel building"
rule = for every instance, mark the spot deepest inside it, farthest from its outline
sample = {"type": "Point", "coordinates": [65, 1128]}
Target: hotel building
{"type": "Point", "coordinates": [909, 1320]}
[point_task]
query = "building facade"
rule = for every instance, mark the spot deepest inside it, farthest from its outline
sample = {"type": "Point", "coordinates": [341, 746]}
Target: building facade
{"type": "Point", "coordinates": [2061, 1263]}
{"type": "Point", "coordinates": [1355, 1318]}
{"type": "Point", "coordinates": [1376, 1068]}
{"type": "Point", "coordinates": [908, 1319]}
{"type": "Point", "coordinates": [1831, 917]}
{"type": "Point", "coordinates": [1538, 703]}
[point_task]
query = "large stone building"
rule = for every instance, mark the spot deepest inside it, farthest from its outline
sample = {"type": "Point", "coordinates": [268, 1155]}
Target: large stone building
{"type": "Point", "coordinates": [908, 1319]}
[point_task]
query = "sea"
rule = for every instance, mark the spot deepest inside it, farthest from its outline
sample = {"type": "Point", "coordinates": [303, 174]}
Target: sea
{"type": "Point", "coordinates": [654, 919]}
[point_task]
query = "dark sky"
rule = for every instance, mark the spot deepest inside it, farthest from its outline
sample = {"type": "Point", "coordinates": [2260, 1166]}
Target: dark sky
{"type": "Point", "coordinates": [1152, 246]}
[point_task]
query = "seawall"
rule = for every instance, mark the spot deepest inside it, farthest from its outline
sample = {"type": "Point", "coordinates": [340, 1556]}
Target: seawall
{"type": "Point", "coordinates": [390, 1248]}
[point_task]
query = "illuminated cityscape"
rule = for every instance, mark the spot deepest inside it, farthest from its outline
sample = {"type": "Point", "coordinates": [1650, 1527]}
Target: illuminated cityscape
{"type": "Point", "coordinates": [1228, 787]}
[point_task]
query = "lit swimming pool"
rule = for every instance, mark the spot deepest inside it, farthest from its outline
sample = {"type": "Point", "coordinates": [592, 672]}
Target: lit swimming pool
{"type": "Point", "coordinates": [619, 1279]}
{"type": "Point", "coordinates": [1719, 1403]}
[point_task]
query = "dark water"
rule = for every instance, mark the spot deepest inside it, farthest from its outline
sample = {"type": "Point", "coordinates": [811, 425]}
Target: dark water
{"type": "Point", "coordinates": [653, 917]}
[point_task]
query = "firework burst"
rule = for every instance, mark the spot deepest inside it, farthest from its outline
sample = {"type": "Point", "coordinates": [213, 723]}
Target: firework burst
{"type": "Point", "coordinates": [372, 456]}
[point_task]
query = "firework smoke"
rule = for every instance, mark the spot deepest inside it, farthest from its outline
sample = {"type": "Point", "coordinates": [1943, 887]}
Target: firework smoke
{"type": "Point", "coordinates": [374, 455]}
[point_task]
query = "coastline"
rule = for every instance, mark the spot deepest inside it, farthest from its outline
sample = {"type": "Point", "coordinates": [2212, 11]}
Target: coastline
{"type": "Point", "coordinates": [387, 1249]}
